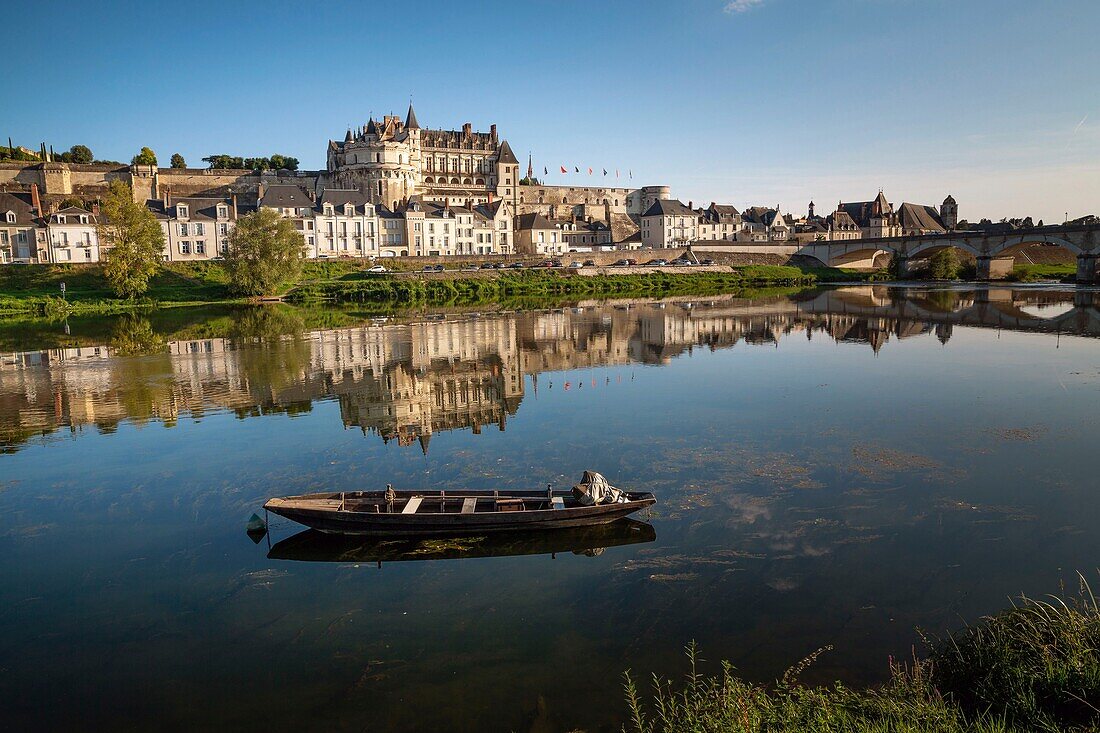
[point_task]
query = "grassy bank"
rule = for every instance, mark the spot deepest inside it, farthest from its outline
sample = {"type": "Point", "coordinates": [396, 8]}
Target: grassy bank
{"type": "Point", "coordinates": [36, 289]}
{"type": "Point", "coordinates": [1034, 667]}
{"type": "Point", "coordinates": [1034, 273]}
{"type": "Point", "coordinates": [541, 284]}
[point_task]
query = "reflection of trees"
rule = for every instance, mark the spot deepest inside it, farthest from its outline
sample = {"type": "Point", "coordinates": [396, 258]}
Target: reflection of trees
{"type": "Point", "coordinates": [272, 354]}
{"type": "Point", "coordinates": [133, 335]}
{"type": "Point", "coordinates": [144, 383]}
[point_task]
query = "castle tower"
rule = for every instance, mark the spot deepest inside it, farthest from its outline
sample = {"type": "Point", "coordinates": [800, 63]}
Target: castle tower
{"type": "Point", "coordinates": [949, 213]}
{"type": "Point", "coordinates": [507, 173]}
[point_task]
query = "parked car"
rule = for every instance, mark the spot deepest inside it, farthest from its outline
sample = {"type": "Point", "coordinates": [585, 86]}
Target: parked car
{"type": "Point", "coordinates": [377, 269]}
{"type": "Point", "coordinates": [590, 263]}
{"type": "Point", "coordinates": [621, 263]}
{"type": "Point", "coordinates": [488, 266]}
{"type": "Point", "coordinates": [575, 265]}
{"type": "Point", "coordinates": [707, 261]}
{"type": "Point", "coordinates": [516, 266]}
{"type": "Point", "coordinates": [470, 268]}
{"type": "Point", "coordinates": [659, 262]}
{"type": "Point", "coordinates": [681, 262]}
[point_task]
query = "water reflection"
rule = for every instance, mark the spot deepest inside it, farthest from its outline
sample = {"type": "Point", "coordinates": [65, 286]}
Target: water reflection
{"type": "Point", "coordinates": [407, 379]}
{"type": "Point", "coordinates": [314, 546]}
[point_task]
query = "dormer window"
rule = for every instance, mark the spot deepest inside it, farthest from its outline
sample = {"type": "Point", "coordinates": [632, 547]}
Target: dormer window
{"type": "Point", "coordinates": [83, 219]}
{"type": "Point", "coordinates": [10, 216]}
{"type": "Point", "coordinates": [328, 210]}
{"type": "Point", "coordinates": [60, 218]}
{"type": "Point", "coordinates": [349, 210]}
{"type": "Point", "coordinates": [181, 211]}
{"type": "Point", "coordinates": [223, 212]}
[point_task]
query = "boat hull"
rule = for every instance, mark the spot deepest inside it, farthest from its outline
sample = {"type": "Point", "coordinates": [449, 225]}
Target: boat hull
{"type": "Point", "coordinates": [333, 519]}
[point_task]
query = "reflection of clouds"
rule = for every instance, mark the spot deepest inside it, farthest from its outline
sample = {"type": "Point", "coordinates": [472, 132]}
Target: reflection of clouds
{"type": "Point", "coordinates": [746, 509]}
{"type": "Point", "coordinates": [782, 584]}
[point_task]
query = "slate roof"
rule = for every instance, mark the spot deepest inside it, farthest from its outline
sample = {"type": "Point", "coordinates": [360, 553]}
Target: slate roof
{"type": "Point", "coordinates": [19, 204]}
{"type": "Point", "coordinates": [506, 155]}
{"type": "Point", "coordinates": [533, 221]}
{"type": "Point", "coordinates": [916, 216]}
{"type": "Point", "coordinates": [198, 207]}
{"type": "Point", "coordinates": [410, 119]}
{"type": "Point", "coordinates": [338, 197]}
{"type": "Point", "coordinates": [668, 207]}
{"type": "Point", "coordinates": [286, 196]}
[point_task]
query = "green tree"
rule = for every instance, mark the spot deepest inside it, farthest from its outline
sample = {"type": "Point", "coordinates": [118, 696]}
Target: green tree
{"type": "Point", "coordinates": [178, 161]}
{"type": "Point", "coordinates": [134, 240]}
{"type": "Point", "coordinates": [81, 154]}
{"type": "Point", "coordinates": [145, 157]}
{"type": "Point", "coordinates": [265, 250]}
{"type": "Point", "coordinates": [944, 265]}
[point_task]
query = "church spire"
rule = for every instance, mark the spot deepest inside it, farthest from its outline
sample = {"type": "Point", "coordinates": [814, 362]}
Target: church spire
{"type": "Point", "coordinates": [530, 169]}
{"type": "Point", "coordinates": [410, 119]}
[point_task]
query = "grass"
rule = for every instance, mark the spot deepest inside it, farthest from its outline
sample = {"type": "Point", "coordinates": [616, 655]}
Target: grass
{"type": "Point", "coordinates": [36, 289]}
{"type": "Point", "coordinates": [527, 284]}
{"type": "Point", "coordinates": [1033, 667]}
{"type": "Point", "coordinates": [1033, 273]}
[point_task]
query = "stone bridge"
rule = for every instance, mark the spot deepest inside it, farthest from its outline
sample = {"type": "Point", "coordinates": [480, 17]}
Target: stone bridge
{"type": "Point", "coordinates": [994, 252]}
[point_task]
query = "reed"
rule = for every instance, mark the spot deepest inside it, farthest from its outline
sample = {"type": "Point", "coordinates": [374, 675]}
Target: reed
{"type": "Point", "coordinates": [1033, 667]}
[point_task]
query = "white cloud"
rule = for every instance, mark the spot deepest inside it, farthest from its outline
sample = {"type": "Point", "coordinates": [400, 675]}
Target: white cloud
{"type": "Point", "coordinates": [742, 6]}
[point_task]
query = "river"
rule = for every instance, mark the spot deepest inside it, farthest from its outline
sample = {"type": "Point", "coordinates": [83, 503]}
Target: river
{"type": "Point", "coordinates": [834, 467]}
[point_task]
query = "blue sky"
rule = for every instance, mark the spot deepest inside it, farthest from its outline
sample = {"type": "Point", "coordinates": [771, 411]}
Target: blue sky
{"type": "Point", "coordinates": [748, 102]}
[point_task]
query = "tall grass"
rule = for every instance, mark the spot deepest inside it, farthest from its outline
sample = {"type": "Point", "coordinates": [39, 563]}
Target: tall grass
{"type": "Point", "coordinates": [1033, 667]}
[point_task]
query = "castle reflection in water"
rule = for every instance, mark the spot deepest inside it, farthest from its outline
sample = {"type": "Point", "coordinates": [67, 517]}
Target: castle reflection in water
{"type": "Point", "coordinates": [405, 380]}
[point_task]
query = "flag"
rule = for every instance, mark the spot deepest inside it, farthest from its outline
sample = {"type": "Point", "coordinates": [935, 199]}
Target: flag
{"type": "Point", "coordinates": [616, 172]}
{"type": "Point", "coordinates": [576, 169]}
{"type": "Point", "coordinates": [631, 173]}
{"type": "Point", "coordinates": [563, 169]}
{"type": "Point", "coordinates": [545, 172]}
{"type": "Point", "coordinates": [589, 171]}
{"type": "Point", "coordinates": [605, 171]}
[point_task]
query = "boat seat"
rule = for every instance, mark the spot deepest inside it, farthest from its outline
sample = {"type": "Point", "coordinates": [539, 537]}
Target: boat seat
{"type": "Point", "coordinates": [412, 505]}
{"type": "Point", "coordinates": [468, 505]}
{"type": "Point", "coordinates": [559, 502]}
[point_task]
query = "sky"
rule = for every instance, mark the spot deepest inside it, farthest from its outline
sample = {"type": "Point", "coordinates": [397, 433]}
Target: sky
{"type": "Point", "coordinates": [748, 102]}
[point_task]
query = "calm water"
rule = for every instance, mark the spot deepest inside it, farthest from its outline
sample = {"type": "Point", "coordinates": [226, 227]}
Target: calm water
{"type": "Point", "coordinates": [832, 467]}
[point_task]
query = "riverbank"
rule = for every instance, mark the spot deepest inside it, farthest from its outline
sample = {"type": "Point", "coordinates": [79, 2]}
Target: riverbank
{"type": "Point", "coordinates": [1033, 667]}
{"type": "Point", "coordinates": [35, 290]}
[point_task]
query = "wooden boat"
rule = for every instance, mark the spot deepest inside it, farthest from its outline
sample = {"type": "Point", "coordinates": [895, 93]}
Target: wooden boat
{"type": "Point", "coordinates": [310, 545]}
{"type": "Point", "coordinates": [449, 512]}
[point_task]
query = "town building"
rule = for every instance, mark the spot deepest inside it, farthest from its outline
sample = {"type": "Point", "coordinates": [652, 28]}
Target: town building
{"type": "Point", "coordinates": [72, 236]}
{"type": "Point", "coordinates": [765, 224]}
{"type": "Point", "coordinates": [195, 228]}
{"type": "Point", "coordinates": [18, 227]}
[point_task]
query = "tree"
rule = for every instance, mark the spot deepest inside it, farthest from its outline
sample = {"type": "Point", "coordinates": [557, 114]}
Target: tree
{"type": "Point", "coordinates": [134, 241]}
{"type": "Point", "coordinates": [279, 162]}
{"type": "Point", "coordinates": [81, 154]}
{"type": "Point", "coordinates": [265, 250]}
{"type": "Point", "coordinates": [145, 157]}
{"type": "Point", "coordinates": [178, 161]}
{"type": "Point", "coordinates": [944, 265]}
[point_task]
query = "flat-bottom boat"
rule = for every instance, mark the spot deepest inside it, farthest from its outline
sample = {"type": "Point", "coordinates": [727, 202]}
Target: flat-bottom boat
{"type": "Point", "coordinates": [423, 513]}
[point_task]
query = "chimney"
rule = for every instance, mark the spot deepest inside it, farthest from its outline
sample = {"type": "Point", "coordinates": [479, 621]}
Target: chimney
{"type": "Point", "coordinates": [95, 209]}
{"type": "Point", "coordinates": [35, 200]}
{"type": "Point", "coordinates": [259, 193]}
{"type": "Point", "coordinates": [467, 129]}
{"type": "Point", "coordinates": [691, 205]}
{"type": "Point", "coordinates": [490, 197]}
{"type": "Point", "coordinates": [233, 203]}
{"type": "Point", "coordinates": [166, 189]}
{"type": "Point", "coordinates": [712, 204]}
{"type": "Point", "coordinates": [493, 131]}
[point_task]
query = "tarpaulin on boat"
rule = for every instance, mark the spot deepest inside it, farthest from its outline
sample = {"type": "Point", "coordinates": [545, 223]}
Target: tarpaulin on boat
{"type": "Point", "coordinates": [595, 489]}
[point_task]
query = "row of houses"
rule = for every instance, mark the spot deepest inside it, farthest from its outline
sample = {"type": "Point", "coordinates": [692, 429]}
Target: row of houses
{"type": "Point", "coordinates": [337, 223]}
{"type": "Point", "coordinates": [669, 223]}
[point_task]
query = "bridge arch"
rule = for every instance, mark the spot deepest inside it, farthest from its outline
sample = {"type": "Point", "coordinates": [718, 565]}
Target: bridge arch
{"type": "Point", "coordinates": [1013, 244]}
{"type": "Point", "coordinates": [926, 249]}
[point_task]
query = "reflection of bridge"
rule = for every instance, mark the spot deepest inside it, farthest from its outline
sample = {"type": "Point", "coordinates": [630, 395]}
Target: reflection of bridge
{"type": "Point", "coordinates": [994, 252]}
{"type": "Point", "coordinates": [992, 308]}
